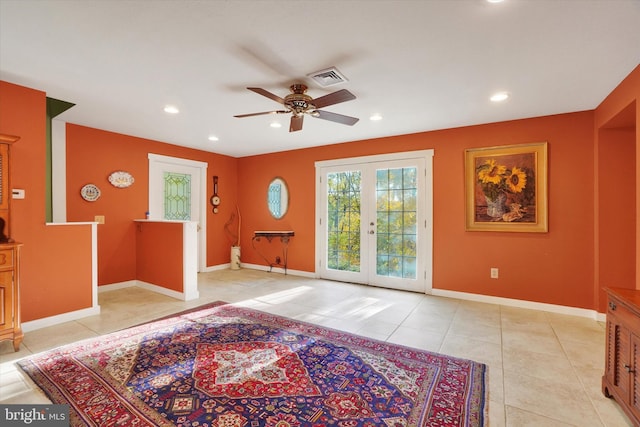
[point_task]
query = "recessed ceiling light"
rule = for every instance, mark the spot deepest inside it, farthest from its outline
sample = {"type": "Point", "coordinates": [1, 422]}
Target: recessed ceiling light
{"type": "Point", "coordinates": [213, 138]}
{"type": "Point", "coordinates": [275, 125]}
{"type": "Point", "coordinates": [375, 117]}
{"type": "Point", "coordinates": [495, 1]}
{"type": "Point", "coordinates": [171, 109]}
{"type": "Point", "coordinates": [499, 97]}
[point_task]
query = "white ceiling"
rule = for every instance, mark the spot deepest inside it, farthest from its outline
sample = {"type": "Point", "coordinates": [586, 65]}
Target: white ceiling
{"type": "Point", "coordinates": [422, 65]}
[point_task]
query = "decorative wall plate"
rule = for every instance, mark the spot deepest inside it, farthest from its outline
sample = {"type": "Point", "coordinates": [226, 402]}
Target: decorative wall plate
{"type": "Point", "coordinates": [121, 179]}
{"type": "Point", "coordinates": [90, 193]}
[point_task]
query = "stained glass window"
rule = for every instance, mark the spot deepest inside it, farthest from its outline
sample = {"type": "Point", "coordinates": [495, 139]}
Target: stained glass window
{"type": "Point", "coordinates": [275, 199]}
{"type": "Point", "coordinates": [177, 196]}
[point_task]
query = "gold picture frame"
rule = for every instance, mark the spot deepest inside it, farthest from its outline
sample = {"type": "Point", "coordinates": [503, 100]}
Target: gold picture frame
{"type": "Point", "coordinates": [506, 188]}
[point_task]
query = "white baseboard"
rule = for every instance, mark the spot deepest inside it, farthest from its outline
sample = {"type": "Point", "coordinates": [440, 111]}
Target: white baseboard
{"type": "Point", "coordinates": [115, 286]}
{"type": "Point", "coordinates": [291, 272]}
{"type": "Point", "coordinates": [217, 267]}
{"type": "Point", "coordinates": [32, 325]}
{"type": "Point", "coordinates": [553, 308]}
{"type": "Point", "coordinates": [169, 292]}
{"type": "Point", "coordinates": [151, 287]}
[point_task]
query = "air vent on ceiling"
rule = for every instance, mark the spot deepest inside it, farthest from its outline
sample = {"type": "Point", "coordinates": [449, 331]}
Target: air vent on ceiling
{"type": "Point", "coordinates": [329, 77]}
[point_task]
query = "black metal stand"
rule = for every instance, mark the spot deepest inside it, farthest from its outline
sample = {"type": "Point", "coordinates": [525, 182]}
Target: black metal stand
{"type": "Point", "coordinates": [284, 236]}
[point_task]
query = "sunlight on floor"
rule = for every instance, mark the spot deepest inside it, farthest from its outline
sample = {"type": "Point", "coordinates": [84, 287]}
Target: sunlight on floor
{"type": "Point", "coordinates": [544, 368]}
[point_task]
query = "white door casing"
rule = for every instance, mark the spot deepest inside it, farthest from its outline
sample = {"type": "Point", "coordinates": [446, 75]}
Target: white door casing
{"type": "Point", "coordinates": [158, 165]}
{"type": "Point", "coordinates": [369, 263]}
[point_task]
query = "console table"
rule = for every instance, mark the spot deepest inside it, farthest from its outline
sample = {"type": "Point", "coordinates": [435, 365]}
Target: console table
{"type": "Point", "coordinates": [284, 237]}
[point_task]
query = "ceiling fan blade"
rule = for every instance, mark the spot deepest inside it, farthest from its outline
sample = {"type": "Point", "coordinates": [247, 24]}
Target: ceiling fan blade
{"type": "Point", "coordinates": [260, 114]}
{"type": "Point", "coordinates": [333, 98]}
{"type": "Point", "coordinates": [267, 94]}
{"type": "Point", "coordinates": [338, 118]}
{"type": "Point", "coordinates": [296, 123]}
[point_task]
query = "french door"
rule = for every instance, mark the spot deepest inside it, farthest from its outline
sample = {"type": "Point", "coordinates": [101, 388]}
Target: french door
{"type": "Point", "coordinates": [374, 220]}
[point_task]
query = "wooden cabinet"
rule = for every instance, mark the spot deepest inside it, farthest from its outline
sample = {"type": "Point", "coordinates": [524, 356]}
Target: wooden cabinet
{"type": "Point", "coordinates": [5, 186]}
{"type": "Point", "coordinates": [10, 294]}
{"type": "Point", "coordinates": [621, 379]}
{"type": "Point", "coordinates": [9, 254]}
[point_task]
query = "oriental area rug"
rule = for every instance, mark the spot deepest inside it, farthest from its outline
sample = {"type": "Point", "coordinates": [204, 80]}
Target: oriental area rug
{"type": "Point", "coordinates": [227, 366]}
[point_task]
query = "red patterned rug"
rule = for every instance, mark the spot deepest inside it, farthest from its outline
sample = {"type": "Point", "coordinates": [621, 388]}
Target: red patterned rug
{"type": "Point", "coordinates": [226, 366]}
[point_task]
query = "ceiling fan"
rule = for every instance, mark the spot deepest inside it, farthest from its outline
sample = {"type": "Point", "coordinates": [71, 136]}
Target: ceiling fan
{"type": "Point", "coordinates": [298, 103]}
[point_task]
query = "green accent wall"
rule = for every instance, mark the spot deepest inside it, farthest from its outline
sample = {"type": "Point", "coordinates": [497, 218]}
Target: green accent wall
{"type": "Point", "coordinates": [55, 107]}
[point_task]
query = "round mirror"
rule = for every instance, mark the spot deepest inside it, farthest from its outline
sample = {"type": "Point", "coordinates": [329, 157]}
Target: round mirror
{"type": "Point", "coordinates": [278, 198]}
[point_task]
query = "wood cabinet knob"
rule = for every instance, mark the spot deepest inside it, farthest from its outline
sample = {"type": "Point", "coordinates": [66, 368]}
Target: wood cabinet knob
{"type": "Point", "coordinates": [612, 305]}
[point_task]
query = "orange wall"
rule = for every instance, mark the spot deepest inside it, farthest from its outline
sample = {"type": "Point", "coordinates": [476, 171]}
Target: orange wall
{"type": "Point", "coordinates": [558, 267]}
{"type": "Point", "coordinates": [56, 260]}
{"type": "Point", "coordinates": [617, 156]}
{"type": "Point", "coordinates": [554, 267]}
{"type": "Point", "coordinates": [159, 254]}
{"type": "Point", "coordinates": [93, 154]}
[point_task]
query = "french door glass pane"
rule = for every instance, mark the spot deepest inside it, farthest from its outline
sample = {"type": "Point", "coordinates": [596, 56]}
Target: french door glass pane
{"type": "Point", "coordinates": [177, 196]}
{"type": "Point", "coordinates": [343, 220]}
{"type": "Point", "coordinates": [396, 213]}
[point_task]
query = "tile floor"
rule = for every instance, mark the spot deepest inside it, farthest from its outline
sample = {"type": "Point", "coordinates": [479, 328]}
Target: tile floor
{"type": "Point", "coordinates": [544, 369]}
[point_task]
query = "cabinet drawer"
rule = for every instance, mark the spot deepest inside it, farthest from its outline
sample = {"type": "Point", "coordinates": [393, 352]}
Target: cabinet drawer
{"type": "Point", "coordinates": [624, 315]}
{"type": "Point", "coordinates": [6, 258]}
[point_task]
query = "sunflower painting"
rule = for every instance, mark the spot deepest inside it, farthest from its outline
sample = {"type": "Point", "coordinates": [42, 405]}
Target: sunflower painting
{"type": "Point", "coordinates": [506, 188]}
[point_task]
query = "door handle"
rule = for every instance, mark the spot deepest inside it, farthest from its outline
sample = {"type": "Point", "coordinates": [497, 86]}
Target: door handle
{"type": "Point", "coordinates": [628, 368]}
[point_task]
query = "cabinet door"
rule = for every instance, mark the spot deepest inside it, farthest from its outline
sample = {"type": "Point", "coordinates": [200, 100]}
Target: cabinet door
{"type": "Point", "coordinates": [6, 300]}
{"type": "Point", "coordinates": [621, 377]}
{"type": "Point", "coordinates": [634, 397]}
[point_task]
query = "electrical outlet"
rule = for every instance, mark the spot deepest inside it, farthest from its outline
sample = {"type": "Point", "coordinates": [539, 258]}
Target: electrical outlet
{"type": "Point", "coordinates": [99, 219]}
{"type": "Point", "coordinates": [494, 273]}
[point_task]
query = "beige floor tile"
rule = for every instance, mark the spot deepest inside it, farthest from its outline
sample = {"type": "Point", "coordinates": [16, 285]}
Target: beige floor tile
{"type": "Point", "coordinates": [476, 329]}
{"type": "Point", "coordinates": [429, 321]}
{"type": "Point", "coordinates": [539, 365]}
{"type": "Point", "coordinates": [566, 402]}
{"type": "Point", "coordinates": [517, 417]}
{"type": "Point", "coordinates": [538, 342]}
{"type": "Point", "coordinates": [424, 340]}
{"type": "Point", "coordinates": [544, 369]}
{"type": "Point", "coordinates": [54, 336]}
{"type": "Point", "coordinates": [496, 416]}
{"type": "Point", "coordinates": [583, 354]}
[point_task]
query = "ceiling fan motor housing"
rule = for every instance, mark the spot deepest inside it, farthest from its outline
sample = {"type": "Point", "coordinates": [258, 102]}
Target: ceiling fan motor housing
{"type": "Point", "coordinates": [298, 101]}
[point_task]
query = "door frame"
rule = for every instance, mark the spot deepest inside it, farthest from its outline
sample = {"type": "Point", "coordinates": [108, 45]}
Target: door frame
{"type": "Point", "coordinates": [156, 189]}
{"type": "Point", "coordinates": [426, 247]}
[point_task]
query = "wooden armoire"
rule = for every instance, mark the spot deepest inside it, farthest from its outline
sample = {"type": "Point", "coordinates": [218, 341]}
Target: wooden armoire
{"type": "Point", "coordinates": [10, 328]}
